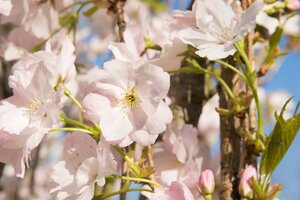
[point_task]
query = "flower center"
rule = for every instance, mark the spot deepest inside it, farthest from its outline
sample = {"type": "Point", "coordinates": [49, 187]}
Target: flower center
{"type": "Point", "coordinates": [33, 106]}
{"type": "Point", "coordinates": [130, 100]}
{"type": "Point", "coordinates": [224, 34]}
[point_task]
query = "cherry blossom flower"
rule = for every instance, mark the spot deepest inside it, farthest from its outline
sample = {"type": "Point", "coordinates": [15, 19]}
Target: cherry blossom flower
{"type": "Point", "coordinates": [60, 63]}
{"type": "Point", "coordinates": [217, 25]}
{"type": "Point", "coordinates": [245, 185]}
{"type": "Point", "coordinates": [180, 157]}
{"type": "Point", "coordinates": [132, 97]}
{"type": "Point", "coordinates": [291, 27]}
{"type": "Point", "coordinates": [38, 18]}
{"type": "Point", "coordinates": [176, 191]}
{"type": "Point", "coordinates": [85, 163]}
{"type": "Point", "coordinates": [206, 182]}
{"type": "Point", "coordinates": [34, 103]}
{"type": "Point", "coordinates": [132, 50]}
{"type": "Point", "coordinates": [37, 106]}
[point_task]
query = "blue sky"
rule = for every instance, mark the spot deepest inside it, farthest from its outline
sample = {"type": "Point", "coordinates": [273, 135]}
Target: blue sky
{"type": "Point", "coordinates": [288, 171]}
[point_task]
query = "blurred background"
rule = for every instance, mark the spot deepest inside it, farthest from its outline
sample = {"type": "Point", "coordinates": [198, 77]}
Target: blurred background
{"type": "Point", "coordinates": [284, 79]}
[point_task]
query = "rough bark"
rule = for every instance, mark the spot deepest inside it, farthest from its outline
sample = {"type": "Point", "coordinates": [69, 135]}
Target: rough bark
{"type": "Point", "coordinates": [117, 8]}
{"type": "Point", "coordinates": [230, 142]}
{"type": "Point", "coordinates": [187, 93]}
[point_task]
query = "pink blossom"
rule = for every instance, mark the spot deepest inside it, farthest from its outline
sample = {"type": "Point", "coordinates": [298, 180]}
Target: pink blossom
{"type": "Point", "coordinates": [34, 103]}
{"type": "Point", "coordinates": [176, 191]}
{"type": "Point", "coordinates": [180, 157]}
{"type": "Point", "coordinates": [217, 26]}
{"type": "Point", "coordinates": [37, 106]}
{"type": "Point", "coordinates": [60, 64]}
{"type": "Point", "coordinates": [39, 19]}
{"type": "Point", "coordinates": [206, 182]}
{"type": "Point", "coordinates": [133, 97]}
{"type": "Point", "coordinates": [85, 163]}
{"type": "Point", "coordinates": [245, 185]}
{"type": "Point", "coordinates": [134, 45]}
{"type": "Point", "coordinates": [209, 121]}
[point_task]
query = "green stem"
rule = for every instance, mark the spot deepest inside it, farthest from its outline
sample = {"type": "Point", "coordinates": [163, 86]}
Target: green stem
{"type": "Point", "coordinates": [71, 129]}
{"type": "Point", "coordinates": [119, 150]}
{"type": "Point", "coordinates": [68, 93]}
{"type": "Point", "coordinates": [232, 68]}
{"type": "Point", "coordinates": [104, 196]}
{"type": "Point", "coordinates": [259, 110]}
{"type": "Point", "coordinates": [242, 52]}
{"type": "Point", "coordinates": [142, 180]}
{"type": "Point", "coordinates": [252, 86]}
{"type": "Point", "coordinates": [208, 197]}
{"type": "Point", "coordinates": [76, 123]}
{"type": "Point", "coordinates": [223, 83]}
{"type": "Point", "coordinates": [136, 170]}
{"type": "Point", "coordinates": [74, 4]}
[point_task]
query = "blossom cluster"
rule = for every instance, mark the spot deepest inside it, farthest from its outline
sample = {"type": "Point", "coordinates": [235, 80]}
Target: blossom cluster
{"type": "Point", "coordinates": [122, 105]}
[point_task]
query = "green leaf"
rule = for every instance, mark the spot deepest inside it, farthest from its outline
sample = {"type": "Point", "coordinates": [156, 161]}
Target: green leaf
{"type": "Point", "coordinates": [274, 51]}
{"type": "Point", "coordinates": [92, 10]}
{"type": "Point", "coordinates": [275, 39]}
{"type": "Point", "coordinates": [279, 141]}
{"type": "Point", "coordinates": [68, 19]}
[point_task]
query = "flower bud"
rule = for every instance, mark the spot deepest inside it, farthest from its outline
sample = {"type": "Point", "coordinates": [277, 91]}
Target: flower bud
{"type": "Point", "coordinates": [206, 184]}
{"type": "Point", "coordinates": [245, 186]}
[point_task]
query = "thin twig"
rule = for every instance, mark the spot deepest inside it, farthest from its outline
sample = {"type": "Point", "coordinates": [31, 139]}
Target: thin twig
{"type": "Point", "coordinates": [117, 7]}
{"type": "Point", "coordinates": [34, 164]}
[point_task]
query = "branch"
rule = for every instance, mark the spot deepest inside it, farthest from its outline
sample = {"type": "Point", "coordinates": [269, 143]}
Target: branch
{"type": "Point", "coordinates": [117, 8]}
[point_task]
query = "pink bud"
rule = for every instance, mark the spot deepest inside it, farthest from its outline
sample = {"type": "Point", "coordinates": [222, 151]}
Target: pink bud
{"type": "Point", "coordinates": [293, 4]}
{"type": "Point", "coordinates": [245, 186]}
{"type": "Point", "coordinates": [206, 183]}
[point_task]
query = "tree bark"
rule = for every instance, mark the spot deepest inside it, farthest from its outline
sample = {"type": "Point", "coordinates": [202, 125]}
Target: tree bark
{"type": "Point", "coordinates": [230, 142]}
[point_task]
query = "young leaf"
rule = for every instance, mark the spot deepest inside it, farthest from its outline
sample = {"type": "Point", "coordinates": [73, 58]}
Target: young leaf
{"type": "Point", "coordinates": [279, 141]}
{"type": "Point", "coordinates": [92, 10]}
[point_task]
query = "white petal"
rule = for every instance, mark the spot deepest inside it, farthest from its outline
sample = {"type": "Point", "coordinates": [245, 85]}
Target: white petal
{"type": "Point", "coordinates": [5, 7]}
{"type": "Point", "coordinates": [9, 114]}
{"type": "Point", "coordinates": [86, 173]}
{"type": "Point", "coordinates": [77, 148]}
{"type": "Point", "coordinates": [95, 106]}
{"type": "Point", "coordinates": [158, 121]}
{"type": "Point", "coordinates": [121, 52]}
{"type": "Point", "coordinates": [115, 124]}
{"type": "Point", "coordinates": [169, 59]}
{"type": "Point", "coordinates": [15, 158]}
{"type": "Point", "coordinates": [143, 138]}
{"type": "Point", "coordinates": [216, 51]}
{"type": "Point", "coordinates": [139, 115]}
{"type": "Point", "coordinates": [248, 19]}
{"type": "Point", "coordinates": [152, 82]}
{"type": "Point", "coordinates": [107, 164]}
{"type": "Point", "coordinates": [119, 73]}
{"type": "Point", "coordinates": [60, 176]}
{"type": "Point", "coordinates": [196, 37]}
